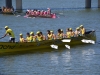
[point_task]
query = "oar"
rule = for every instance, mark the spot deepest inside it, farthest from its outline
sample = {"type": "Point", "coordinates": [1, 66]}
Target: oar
{"type": "Point", "coordinates": [1, 37]}
{"type": "Point", "coordinates": [98, 42]}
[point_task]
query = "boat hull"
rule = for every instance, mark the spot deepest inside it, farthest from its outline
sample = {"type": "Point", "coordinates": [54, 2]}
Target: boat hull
{"type": "Point", "coordinates": [9, 13]}
{"type": "Point", "coordinates": [15, 48]}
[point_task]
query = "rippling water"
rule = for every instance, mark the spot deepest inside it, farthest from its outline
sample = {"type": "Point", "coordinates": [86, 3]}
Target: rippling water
{"type": "Point", "coordinates": [79, 60]}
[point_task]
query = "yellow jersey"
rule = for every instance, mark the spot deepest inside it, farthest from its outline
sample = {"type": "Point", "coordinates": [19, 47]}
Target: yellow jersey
{"type": "Point", "coordinates": [68, 34]}
{"type": "Point", "coordinates": [32, 39]}
{"type": "Point", "coordinates": [39, 38]}
{"type": "Point", "coordinates": [60, 36]}
{"type": "Point", "coordinates": [21, 39]}
{"type": "Point", "coordinates": [10, 32]}
{"type": "Point", "coordinates": [83, 31]}
{"type": "Point", "coordinates": [50, 37]}
{"type": "Point", "coordinates": [72, 34]}
{"type": "Point", "coordinates": [28, 39]}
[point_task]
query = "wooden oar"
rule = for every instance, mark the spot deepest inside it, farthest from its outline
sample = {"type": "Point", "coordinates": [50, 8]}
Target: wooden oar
{"type": "Point", "coordinates": [1, 37]}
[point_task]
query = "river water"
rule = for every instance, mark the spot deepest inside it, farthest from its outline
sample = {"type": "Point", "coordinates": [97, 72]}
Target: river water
{"type": "Point", "coordinates": [79, 60]}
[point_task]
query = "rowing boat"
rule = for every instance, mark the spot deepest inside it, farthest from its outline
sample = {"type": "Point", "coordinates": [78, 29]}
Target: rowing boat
{"type": "Point", "coordinates": [10, 13]}
{"type": "Point", "coordinates": [15, 48]}
{"type": "Point", "coordinates": [42, 16]}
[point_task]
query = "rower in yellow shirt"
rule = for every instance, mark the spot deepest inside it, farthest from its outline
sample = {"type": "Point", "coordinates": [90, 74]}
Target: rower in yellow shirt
{"type": "Point", "coordinates": [68, 34]}
{"type": "Point", "coordinates": [28, 37]}
{"type": "Point", "coordinates": [32, 37]}
{"type": "Point", "coordinates": [21, 39]}
{"type": "Point", "coordinates": [82, 30]}
{"type": "Point", "coordinates": [60, 34]}
{"type": "Point", "coordinates": [39, 37]}
{"type": "Point", "coordinates": [53, 35]}
{"type": "Point", "coordinates": [10, 33]}
{"type": "Point", "coordinates": [49, 35]}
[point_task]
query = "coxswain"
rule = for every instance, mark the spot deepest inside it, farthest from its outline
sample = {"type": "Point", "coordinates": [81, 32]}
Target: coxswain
{"type": "Point", "coordinates": [32, 37]}
{"type": "Point", "coordinates": [28, 37]}
{"type": "Point", "coordinates": [21, 39]}
{"type": "Point", "coordinates": [10, 33]}
{"type": "Point", "coordinates": [77, 32]}
{"type": "Point", "coordinates": [82, 30]}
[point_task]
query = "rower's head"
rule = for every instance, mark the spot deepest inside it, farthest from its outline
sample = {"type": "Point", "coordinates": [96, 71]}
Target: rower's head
{"type": "Point", "coordinates": [51, 31]}
{"type": "Point", "coordinates": [67, 29]}
{"type": "Point", "coordinates": [31, 33]}
{"type": "Point", "coordinates": [77, 28]}
{"type": "Point", "coordinates": [70, 29]}
{"type": "Point", "coordinates": [48, 9]}
{"type": "Point", "coordinates": [81, 26]}
{"type": "Point", "coordinates": [41, 33]}
{"type": "Point", "coordinates": [28, 34]}
{"type": "Point", "coordinates": [38, 33]}
{"type": "Point", "coordinates": [21, 35]}
{"type": "Point", "coordinates": [6, 27]}
{"type": "Point", "coordinates": [59, 30]}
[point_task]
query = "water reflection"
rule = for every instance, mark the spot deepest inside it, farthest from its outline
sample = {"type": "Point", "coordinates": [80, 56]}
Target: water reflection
{"type": "Point", "coordinates": [66, 56]}
{"type": "Point", "coordinates": [88, 54]}
{"type": "Point", "coordinates": [54, 59]}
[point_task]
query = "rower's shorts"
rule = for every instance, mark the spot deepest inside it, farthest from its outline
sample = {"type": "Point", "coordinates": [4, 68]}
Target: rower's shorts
{"type": "Point", "coordinates": [12, 40]}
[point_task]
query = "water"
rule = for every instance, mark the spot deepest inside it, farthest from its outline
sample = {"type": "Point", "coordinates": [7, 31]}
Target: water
{"type": "Point", "coordinates": [79, 60]}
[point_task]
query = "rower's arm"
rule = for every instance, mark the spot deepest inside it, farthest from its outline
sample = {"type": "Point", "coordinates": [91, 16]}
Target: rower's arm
{"type": "Point", "coordinates": [4, 35]}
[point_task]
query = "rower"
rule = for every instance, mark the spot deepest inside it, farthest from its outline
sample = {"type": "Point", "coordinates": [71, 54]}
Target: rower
{"type": "Point", "coordinates": [60, 34]}
{"type": "Point", "coordinates": [48, 11]}
{"type": "Point", "coordinates": [43, 36]}
{"type": "Point", "coordinates": [53, 35]}
{"type": "Point", "coordinates": [10, 33]}
{"type": "Point", "coordinates": [77, 32]}
{"type": "Point", "coordinates": [72, 32]}
{"type": "Point", "coordinates": [82, 30]}
{"type": "Point", "coordinates": [32, 37]}
{"type": "Point", "coordinates": [21, 39]}
{"type": "Point", "coordinates": [28, 37]}
{"type": "Point", "coordinates": [68, 35]}
{"type": "Point", "coordinates": [49, 35]}
{"type": "Point", "coordinates": [39, 36]}
{"type": "Point", "coordinates": [3, 8]}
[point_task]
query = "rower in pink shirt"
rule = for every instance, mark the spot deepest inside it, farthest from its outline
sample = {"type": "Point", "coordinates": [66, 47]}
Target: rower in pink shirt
{"type": "Point", "coordinates": [48, 11]}
{"type": "Point", "coordinates": [45, 13]}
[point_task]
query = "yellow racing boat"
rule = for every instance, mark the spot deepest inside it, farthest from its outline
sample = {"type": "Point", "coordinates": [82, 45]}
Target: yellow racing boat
{"type": "Point", "coordinates": [17, 47]}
